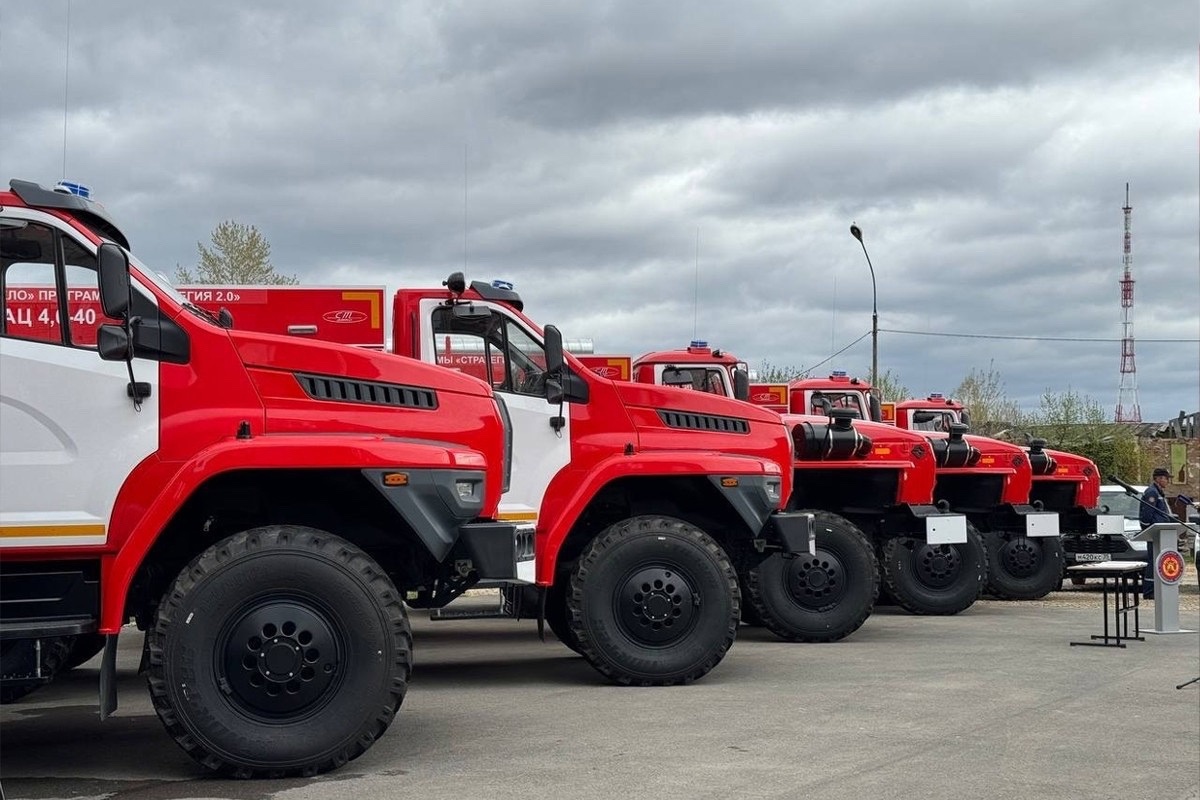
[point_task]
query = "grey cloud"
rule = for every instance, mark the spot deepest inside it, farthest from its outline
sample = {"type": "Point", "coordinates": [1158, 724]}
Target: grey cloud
{"type": "Point", "coordinates": [576, 149]}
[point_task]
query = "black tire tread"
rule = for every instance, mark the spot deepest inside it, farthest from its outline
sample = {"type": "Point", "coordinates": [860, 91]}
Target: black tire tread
{"type": "Point", "coordinates": [1051, 577]}
{"type": "Point", "coordinates": [228, 550]}
{"type": "Point", "coordinates": [897, 592]}
{"type": "Point", "coordinates": [597, 549]}
{"type": "Point", "coordinates": [558, 618]}
{"type": "Point", "coordinates": [777, 627]}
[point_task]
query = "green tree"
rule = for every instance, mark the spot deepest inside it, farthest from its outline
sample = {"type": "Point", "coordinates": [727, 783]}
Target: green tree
{"type": "Point", "coordinates": [1079, 424]}
{"type": "Point", "coordinates": [889, 388]}
{"type": "Point", "coordinates": [982, 394]}
{"type": "Point", "coordinates": [240, 254]}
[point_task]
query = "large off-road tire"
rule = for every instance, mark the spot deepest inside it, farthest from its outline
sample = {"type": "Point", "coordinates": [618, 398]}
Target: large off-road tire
{"type": "Point", "coordinates": [1021, 568]}
{"type": "Point", "coordinates": [279, 651]}
{"type": "Point", "coordinates": [821, 598]}
{"type": "Point", "coordinates": [558, 619]}
{"type": "Point", "coordinates": [19, 659]}
{"type": "Point", "coordinates": [653, 602]}
{"type": "Point", "coordinates": [750, 615]}
{"type": "Point", "coordinates": [85, 647]}
{"type": "Point", "coordinates": [935, 579]}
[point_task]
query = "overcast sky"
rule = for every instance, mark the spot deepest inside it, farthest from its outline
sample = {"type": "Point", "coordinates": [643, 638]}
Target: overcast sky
{"type": "Point", "coordinates": [649, 172]}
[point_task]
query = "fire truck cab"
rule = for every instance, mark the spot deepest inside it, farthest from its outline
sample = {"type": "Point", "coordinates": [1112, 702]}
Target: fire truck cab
{"type": "Point", "coordinates": [647, 500]}
{"type": "Point", "coordinates": [257, 504]}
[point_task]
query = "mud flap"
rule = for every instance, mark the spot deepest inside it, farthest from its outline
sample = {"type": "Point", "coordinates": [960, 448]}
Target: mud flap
{"type": "Point", "coordinates": [108, 677]}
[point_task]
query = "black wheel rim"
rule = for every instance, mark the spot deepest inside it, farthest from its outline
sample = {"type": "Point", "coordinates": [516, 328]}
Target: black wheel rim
{"type": "Point", "coordinates": [280, 658]}
{"type": "Point", "coordinates": [1021, 558]}
{"type": "Point", "coordinates": [937, 566]}
{"type": "Point", "coordinates": [815, 581]}
{"type": "Point", "coordinates": [655, 605]}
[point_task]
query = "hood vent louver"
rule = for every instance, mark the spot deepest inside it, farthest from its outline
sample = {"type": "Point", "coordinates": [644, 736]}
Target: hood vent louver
{"type": "Point", "coordinates": [703, 422]}
{"type": "Point", "coordinates": [341, 390]}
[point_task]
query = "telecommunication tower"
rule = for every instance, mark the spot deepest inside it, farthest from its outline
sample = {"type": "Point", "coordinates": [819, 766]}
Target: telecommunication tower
{"type": "Point", "coordinates": [1128, 409]}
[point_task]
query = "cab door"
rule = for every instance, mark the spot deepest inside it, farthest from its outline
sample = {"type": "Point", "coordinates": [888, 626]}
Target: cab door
{"type": "Point", "coordinates": [492, 344]}
{"type": "Point", "coordinates": [69, 433]}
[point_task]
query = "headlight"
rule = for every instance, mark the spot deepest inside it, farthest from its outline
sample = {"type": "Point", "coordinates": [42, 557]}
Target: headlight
{"type": "Point", "coordinates": [465, 489]}
{"type": "Point", "coordinates": [774, 489]}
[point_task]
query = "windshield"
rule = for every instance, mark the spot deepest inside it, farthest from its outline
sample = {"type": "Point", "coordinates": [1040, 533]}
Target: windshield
{"type": "Point", "coordinates": [1119, 503]}
{"type": "Point", "coordinates": [933, 420]}
{"type": "Point", "coordinates": [701, 379]}
{"type": "Point", "coordinates": [159, 280]}
{"type": "Point", "coordinates": [850, 400]}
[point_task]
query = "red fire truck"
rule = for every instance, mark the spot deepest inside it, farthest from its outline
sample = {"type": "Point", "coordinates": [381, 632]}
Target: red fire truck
{"type": "Point", "coordinates": [1065, 483]}
{"type": "Point", "coordinates": [259, 504]}
{"type": "Point", "coordinates": [646, 501]}
{"type": "Point", "coordinates": [991, 483]}
{"type": "Point", "coordinates": [870, 488]}
{"type": "Point", "coordinates": [681, 491]}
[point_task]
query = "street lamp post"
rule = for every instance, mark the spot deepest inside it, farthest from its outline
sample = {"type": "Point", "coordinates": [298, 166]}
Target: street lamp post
{"type": "Point", "coordinates": [856, 232]}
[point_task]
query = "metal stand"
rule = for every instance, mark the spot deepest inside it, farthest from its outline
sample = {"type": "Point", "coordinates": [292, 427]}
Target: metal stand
{"type": "Point", "coordinates": [1165, 537]}
{"type": "Point", "coordinates": [1127, 586]}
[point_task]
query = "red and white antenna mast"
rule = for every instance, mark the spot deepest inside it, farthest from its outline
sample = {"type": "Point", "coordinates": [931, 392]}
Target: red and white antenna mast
{"type": "Point", "coordinates": [1128, 409]}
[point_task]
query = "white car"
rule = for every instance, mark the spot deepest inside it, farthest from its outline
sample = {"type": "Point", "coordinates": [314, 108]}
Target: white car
{"type": "Point", "coordinates": [1090, 548]}
{"type": "Point", "coordinates": [1120, 502]}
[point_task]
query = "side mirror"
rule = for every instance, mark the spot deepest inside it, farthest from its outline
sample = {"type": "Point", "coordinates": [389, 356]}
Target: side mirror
{"type": "Point", "coordinates": [112, 342]}
{"type": "Point", "coordinates": [114, 280]}
{"type": "Point", "coordinates": [822, 402]}
{"type": "Point", "coordinates": [741, 384]}
{"type": "Point", "coordinates": [562, 384]}
{"type": "Point", "coordinates": [554, 351]}
{"type": "Point", "coordinates": [873, 408]}
{"type": "Point", "coordinates": [965, 416]}
{"type": "Point", "coordinates": [554, 391]}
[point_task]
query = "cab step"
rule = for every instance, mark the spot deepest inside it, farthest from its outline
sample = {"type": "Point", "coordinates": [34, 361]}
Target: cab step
{"type": "Point", "coordinates": [510, 601]}
{"type": "Point", "coordinates": [495, 607]}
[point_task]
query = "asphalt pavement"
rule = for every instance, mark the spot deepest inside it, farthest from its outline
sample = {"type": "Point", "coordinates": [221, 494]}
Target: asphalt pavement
{"type": "Point", "coordinates": [992, 703]}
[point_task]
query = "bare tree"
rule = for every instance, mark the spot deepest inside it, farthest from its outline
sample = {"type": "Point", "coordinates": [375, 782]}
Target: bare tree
{"type": "Point", "coordinates": [773, 373]}
{"type": "Point", "coordinates": [983, 395]}
{"type": "Point", "coordinates": [240, 254]}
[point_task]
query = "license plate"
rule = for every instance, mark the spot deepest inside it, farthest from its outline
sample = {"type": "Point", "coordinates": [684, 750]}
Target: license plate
{"type": "Point", "coordinates": [1092, 557]}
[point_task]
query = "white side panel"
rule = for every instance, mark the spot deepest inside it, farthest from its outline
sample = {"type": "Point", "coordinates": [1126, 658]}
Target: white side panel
{"type": "Point", "coordinates": [69, 436]}
{"type": "Point", "coordinates": [1107, 524]}
{"type": "Point", "coordinates": [1044, 524]}
{"type": "Point", "coordinates": [946, 529]}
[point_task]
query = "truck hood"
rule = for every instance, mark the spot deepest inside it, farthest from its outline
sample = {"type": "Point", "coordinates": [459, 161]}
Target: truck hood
{"type": "Point", "coordinates": [307, 356]}
{"type": "Point", "coordinates": [671, 398]}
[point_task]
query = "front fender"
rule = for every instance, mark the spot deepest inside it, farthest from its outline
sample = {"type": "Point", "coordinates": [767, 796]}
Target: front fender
{"type": "Point", "coordinates": [271, 451]}
{"type": "Point", "coordinates": [572, 489]}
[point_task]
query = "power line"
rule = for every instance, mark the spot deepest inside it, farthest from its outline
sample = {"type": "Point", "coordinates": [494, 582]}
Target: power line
{"type": "Point", "coordinates": [838, 353]}
{"type": "Point", "coordinates": [1031, 338]}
